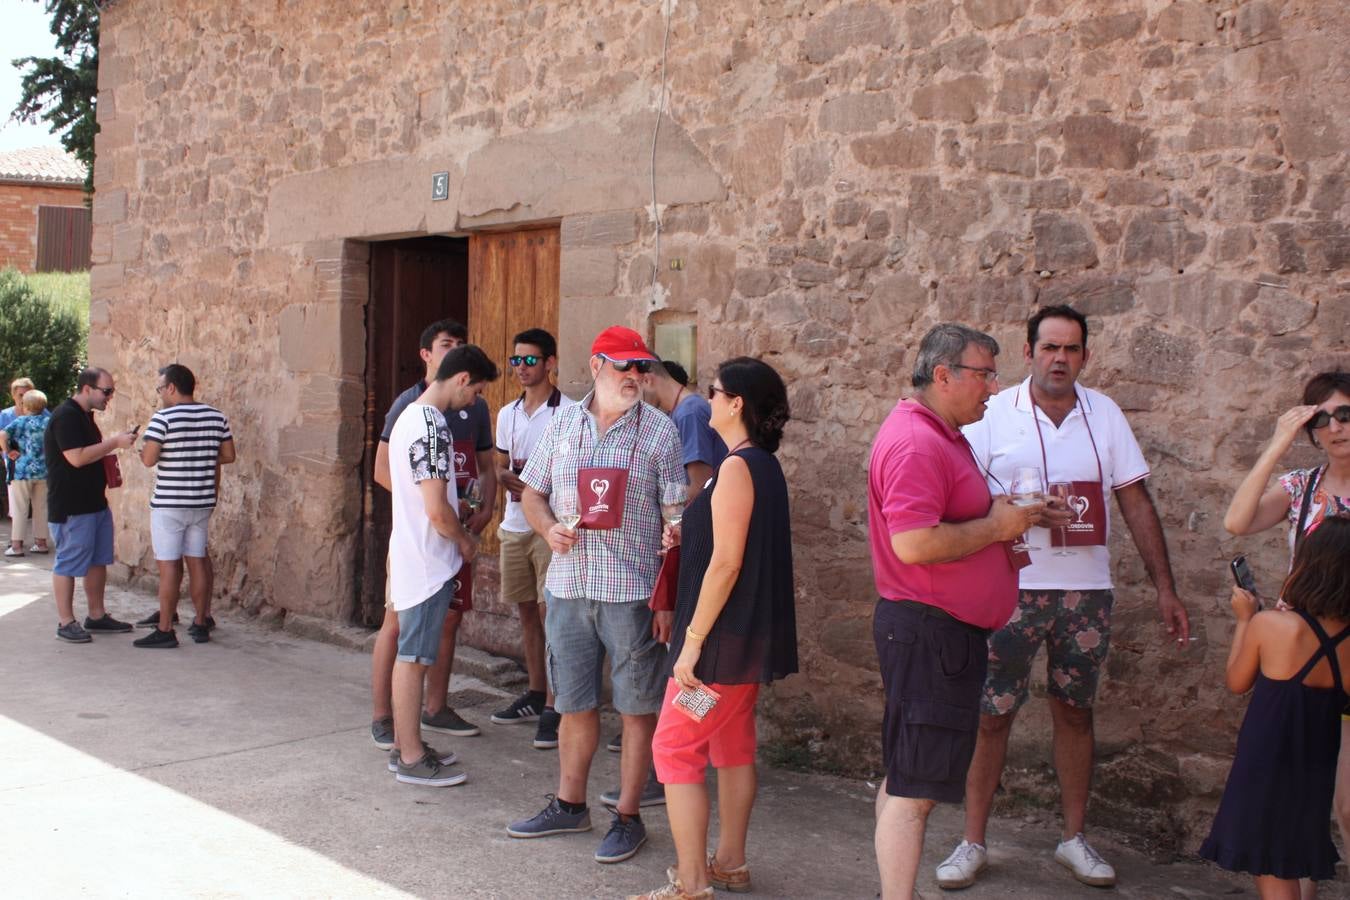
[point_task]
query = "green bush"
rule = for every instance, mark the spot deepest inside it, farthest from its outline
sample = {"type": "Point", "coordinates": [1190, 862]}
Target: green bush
{"type": "Point", "coordinates": [43, 340]}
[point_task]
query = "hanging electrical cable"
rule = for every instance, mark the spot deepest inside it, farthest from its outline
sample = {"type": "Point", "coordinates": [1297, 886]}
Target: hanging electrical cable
{"type": "Point", "coordinates": [656, 132]}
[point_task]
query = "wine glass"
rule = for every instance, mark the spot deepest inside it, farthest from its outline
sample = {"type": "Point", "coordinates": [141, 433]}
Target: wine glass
{"type": "Point", "coordinates": [1027, 486]}
{"type": "Point", "coordinates": [473, 495]}
{"type": "Point", "coordinates": [674, 496]}
{"type": "Point", "coordinates": [565, 507]}
{"type": "Point", "coordinates": [1061, 490]}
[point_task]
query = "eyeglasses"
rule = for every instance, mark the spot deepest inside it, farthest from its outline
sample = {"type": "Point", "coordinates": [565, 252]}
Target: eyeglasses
{"type": "Point", "coordinates": [713, 390]}
{"type": "Point", "coordinates": [990, 375]}
{"type": "Point", "coordinates": [623, 365]}
{"type": "Point", "coordinates": [530, 360]}
{"type": "Point", "coordinates": [161, 388]}
{"type": "Point", "coordinates": [107, 392]}
{"type": "Point", "coordinates": [1322, 418]}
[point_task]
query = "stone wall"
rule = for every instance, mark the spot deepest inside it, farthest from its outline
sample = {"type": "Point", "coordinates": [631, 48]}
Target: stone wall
{"type": "Point", "coordinates": [832, 178]}
{"type": "Point", "coordinates": [19, 219]}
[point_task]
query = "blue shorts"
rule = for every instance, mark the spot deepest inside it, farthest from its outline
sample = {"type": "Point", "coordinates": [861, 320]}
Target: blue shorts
{"type": "Point", "coordinates": [578, 633]}
{"type": "Point", "coordinates": [82, 542]}
{"type": "Point", "coordinates": [419, 627]}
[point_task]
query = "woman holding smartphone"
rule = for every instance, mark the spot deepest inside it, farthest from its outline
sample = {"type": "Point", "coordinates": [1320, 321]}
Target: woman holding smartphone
{"type": "Point", "coordinates": [735, 629]}
{"type": "Point", "coordinates": [1304, 498]}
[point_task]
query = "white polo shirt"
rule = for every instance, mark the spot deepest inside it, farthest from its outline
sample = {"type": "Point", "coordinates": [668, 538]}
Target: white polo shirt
{"type": "Point", "coordinates": [1006, 439]}
{"type": "Point", "coordinates": [517, 434]}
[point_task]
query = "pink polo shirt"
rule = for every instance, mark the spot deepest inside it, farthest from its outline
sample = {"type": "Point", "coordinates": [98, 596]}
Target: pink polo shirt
{"type": "Point", "coordinates": [921, 473]}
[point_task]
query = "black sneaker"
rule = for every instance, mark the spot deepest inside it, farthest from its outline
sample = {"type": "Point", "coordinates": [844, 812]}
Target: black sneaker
{"type": "Point", "coordinates": [447, 721]}
{"type": "Point", "coordinates": [210, 623]}
{"type": "Point", "coordinates": [615, 744]}
{"type": "Point", "coordinates": [152, 621]}
{"type": "Point", "coordinates": [200, 634]}
{"type": "Point", "coordinates": [526, 709]}
{"type": "Point", "coordinates": [158, 638]}
{"type": "Point", "coordinates": [71, 631]}
{"type": "Point", "coordinates": [106, 624]}
{"type": "Point", "coordinates": [546, 733]}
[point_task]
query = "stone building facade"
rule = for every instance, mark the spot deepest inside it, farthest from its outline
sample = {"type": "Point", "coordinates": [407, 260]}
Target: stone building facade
{"type": "Point", "coordinates": [831, 178]}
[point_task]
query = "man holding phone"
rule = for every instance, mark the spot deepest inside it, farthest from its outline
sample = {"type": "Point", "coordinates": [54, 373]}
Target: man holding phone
{"type": "Point", "coordinates": [77, 504]}
{"type": "Point", "coordinates": [188, 442]}
{"type": "Point", "coordinates": [1081, 441]}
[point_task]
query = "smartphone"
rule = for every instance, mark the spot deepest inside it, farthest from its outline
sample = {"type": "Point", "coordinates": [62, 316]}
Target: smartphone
{"type": "Point", "coordinates": [1242, 574]}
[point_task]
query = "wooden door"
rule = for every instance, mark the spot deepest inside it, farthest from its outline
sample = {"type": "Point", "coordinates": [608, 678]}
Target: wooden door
{"type": "Point", "coordinates": [513, 285]}
{"type": "Point", "coordinates": [412, 284]}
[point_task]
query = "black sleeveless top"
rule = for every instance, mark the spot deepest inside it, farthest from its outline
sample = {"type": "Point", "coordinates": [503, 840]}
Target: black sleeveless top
{"type": "Point", "coordinates": [755, 637]}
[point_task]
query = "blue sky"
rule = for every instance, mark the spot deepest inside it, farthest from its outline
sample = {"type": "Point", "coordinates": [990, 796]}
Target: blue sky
{"type": "Point", "coordinates": [24, 33]}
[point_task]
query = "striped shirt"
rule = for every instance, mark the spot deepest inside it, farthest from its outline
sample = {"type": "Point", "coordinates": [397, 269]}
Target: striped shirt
{"type": "Point", "coordinates": [190, 435]}
{"type": "Point", "coordinates": [618, 565]}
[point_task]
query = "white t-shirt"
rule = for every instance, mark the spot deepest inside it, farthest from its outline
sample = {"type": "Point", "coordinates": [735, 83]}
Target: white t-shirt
{"type": "Point", "coordinates": [1006, 439]}
{"type": "Point", "coordinates": [421, 560]}
{"type": "Point", "coordinates": [517, 434]}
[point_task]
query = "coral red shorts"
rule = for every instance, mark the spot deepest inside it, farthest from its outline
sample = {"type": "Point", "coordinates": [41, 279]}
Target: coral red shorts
{"type": "Point", "coordinates": [682, 748]}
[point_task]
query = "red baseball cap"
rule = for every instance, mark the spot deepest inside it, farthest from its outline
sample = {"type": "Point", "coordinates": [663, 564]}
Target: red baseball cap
{"type": "Point", "coordinates": [617, 342]}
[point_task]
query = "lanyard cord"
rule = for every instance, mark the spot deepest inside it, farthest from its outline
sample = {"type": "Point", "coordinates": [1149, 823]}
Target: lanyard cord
{"type": "Point", "coordinates": [1101, 479]}
{"type": "Point", "coordinates": [515, 417]}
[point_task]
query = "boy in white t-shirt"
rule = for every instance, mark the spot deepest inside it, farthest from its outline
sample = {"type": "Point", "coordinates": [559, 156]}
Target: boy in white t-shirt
{"type": "Point", "coordinates": [427, 547]}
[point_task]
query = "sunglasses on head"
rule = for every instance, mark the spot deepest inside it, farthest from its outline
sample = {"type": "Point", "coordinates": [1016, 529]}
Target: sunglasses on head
{"type": "Point", "coordinates": [1322, 418]}
{"type": "Point", "coordinates": [623, 365]}
{"type": "Point", "coordinates": [531, 360]}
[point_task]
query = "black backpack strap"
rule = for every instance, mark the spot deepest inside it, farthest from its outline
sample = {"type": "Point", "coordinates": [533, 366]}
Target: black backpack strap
{"type": "Point", "coordinates": [1306, 506]}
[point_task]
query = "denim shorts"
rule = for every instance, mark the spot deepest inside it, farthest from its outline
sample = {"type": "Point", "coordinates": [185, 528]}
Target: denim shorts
{"type": "Point", "coordinates": [419, 627]}
{"type": "Point", "coordinates": [176, 533]}
{"type": "Point", "coordinates": [82, 542]}
{"type": "Point", "coordinates": [578, 633]}
{"type": "Point", "coordinates": [932, 667]}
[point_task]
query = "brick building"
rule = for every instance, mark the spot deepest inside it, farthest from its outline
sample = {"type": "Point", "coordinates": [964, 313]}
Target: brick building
{"type": "Point", "coordinates": [44, 222]}
{"type": "Point", "coordinates": [287, 192]}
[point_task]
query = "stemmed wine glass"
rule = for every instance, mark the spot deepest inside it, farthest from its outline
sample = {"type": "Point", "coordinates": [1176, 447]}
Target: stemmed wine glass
{"type": "Point", "coordinates": [473, 495]}
{"type": "Point", "coordinates": [1027, 487]}
{"type": "Point", "coordinates": [674, 497]}
{"type": "Point", "coordinates": [565, 507]}
{"type": "Point", "coordinates": [1061, 490]}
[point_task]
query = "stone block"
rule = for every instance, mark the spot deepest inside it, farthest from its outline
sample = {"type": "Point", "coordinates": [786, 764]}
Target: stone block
{"type": "Point", "coordinates": [895, 302]}
{"type": "Point", "coordinates": [1235, 244]}
{"type": "Point", "coordinates": [755, 282]}
{"type": "Point", "coordinates": [1310, 129]}
{"type": "Point", "coordinates": [878, 224]}
{"type": "Point", "coordinates": [1332, 240]}
{"type": "Point", "coordinates": [106, 279]}
{"type": "Point", "coordinates": [326, 396]}
{"type": "Point", "coordinates": [1024, 47]}
{"type": "Point", "coordinates": [110, 207]}
{"type": "Point", "coordinates": [852, 113]}
{"type": "Point", "coordinates": [924, 22]}
{"type": "Point", "coordinates": [964, 54]}
{"type": "Point", "coordinates": [1277, 311]}
{"type": "Point", "coordinates": [1217, 134]}
{"type": "Point", "coordinates": [1257, 22]}
{"type": "Point", "coordinates": [1062, 244]}
{"type": "Point", "coordinates": [846, 27]}
{"type": "Point", "coordinates": [847, 211]}
{"type": "Point", "coordinates": [994, 13]}
{"type": "Point", "coordinates": [588, 271]}
{"type": "Point", "coordinates": [757, 159]}
{"type": "Point", "coordinates": [706, 279]}
{"type": "Point", "coordinates": [311, 338]}
{"type": "Point", "coordinates": [812, 163]}
{"type": "Point", "coordinates": [1134, 192]}
{"type": "Point", "coordinates": [1096, 142]}
{"type": "Point", "coordinates": [1102, 30]}
{"type": "Point", "coordinates": [1009, 159]}
{"type": "Point", "coordinates": [946, 212]}
{"type": "Point", "coordinates": [1161, 236]}
{"type": "Point", "coordinates": [805, 272]}
{"type": "Point", "coordinates": [959, 99]}
{"type": "Point", "coordinates": [1162, 358]}
{"type": "Point", "coordinates": [864, 254]}
{"type": "Point", "coordinates": [1188, 20]}
{"type": "Point", "coordinates": [1288, 251]}
{"type": "Point", "coordinates": [1092, 295]}
{"type": "Point", "coordinates": [602, 229]}
{"type": "Point", "coordinates": [1020, 91]}
{"type": "Point", "coordinates": [1054, 193]}
{"type": "Point", "coordinates": [905, 148]}
{"type": "Point", "coordinates": [1239, 196]}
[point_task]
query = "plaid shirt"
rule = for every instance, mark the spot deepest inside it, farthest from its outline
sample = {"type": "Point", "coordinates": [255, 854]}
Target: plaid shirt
{"type": "Point", "coordinates": [618, 565]}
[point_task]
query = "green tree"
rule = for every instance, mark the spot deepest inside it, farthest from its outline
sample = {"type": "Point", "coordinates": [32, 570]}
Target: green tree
{"type": "Point", "coordinates": [63, 89]}
{"type": "Point", "coordinates": [38, 338]}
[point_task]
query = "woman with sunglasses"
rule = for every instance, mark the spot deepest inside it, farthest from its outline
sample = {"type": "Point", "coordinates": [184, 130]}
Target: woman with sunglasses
{"type": "Point", "coordinates": [735, 629]}
{"type": "Point", "coordinates": [1303, 498]}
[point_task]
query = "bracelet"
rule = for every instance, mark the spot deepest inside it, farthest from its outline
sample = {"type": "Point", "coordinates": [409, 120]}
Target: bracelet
{"type": "Point", "coordinates": [694, 635]}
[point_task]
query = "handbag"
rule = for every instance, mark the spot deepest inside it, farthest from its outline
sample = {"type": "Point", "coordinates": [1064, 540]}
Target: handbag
{"type": "Point", "coordinates": [112, 471]}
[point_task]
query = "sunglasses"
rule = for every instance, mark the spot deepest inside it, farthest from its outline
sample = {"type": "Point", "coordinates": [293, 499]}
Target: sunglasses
{"type": "Point", "coordinates": [714, 390]}
{"type": "Point", "coordinates": [1322, 418]}
{"type": "Point", "coordinates": [623, 365]}
{"type": "Point", "coordinates": [107, 392]}
{"type": "Point", "coordinates": [531, 360]}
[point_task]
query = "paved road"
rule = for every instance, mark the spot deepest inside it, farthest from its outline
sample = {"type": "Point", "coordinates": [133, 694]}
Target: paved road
{"type": "Point", "coordinates": [244, 767]}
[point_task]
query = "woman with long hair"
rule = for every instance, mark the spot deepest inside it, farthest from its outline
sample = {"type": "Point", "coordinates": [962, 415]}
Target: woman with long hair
{"type": "Point", "coordinates": [735, 629]}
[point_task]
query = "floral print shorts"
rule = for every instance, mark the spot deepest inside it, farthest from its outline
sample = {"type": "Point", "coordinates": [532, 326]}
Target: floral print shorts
{"type": "Point", "coordinates": [1076, 628]}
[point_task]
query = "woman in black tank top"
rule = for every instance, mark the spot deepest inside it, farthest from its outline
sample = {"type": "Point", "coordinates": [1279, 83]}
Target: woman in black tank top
{"type": "Point", "coordinates": [735, 628]}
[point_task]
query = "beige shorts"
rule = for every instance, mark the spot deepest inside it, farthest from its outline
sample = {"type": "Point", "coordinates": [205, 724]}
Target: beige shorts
{"type": "Point", "coordinates": [524, 563]}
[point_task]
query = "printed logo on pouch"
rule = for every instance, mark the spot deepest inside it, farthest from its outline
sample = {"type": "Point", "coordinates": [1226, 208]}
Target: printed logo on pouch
{"type": "Point", "coordinates": [1079, 506]}
{"type": "Point", "coordinates": [461, 460]}
{"type": "Point", "coordinates": [600, 486]}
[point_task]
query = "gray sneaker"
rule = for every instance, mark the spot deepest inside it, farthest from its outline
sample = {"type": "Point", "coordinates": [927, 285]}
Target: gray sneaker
{"type": "Point", "coordinates": [428, 771]}
{"type": "Point", "coordinates": [624, 839]}
{"type": "Point", "coordinates": [445, 759]}
{"type": "Point", "coordinates": [552, 820]}
{"type": "Point", "coordinates": [71, 631]}
{"type": "Point", "coordinates": [447, 721]}
{"type": "Point", "coordinates": [382, 733]}
{"type": "Point", "coordinates": [653, 794]}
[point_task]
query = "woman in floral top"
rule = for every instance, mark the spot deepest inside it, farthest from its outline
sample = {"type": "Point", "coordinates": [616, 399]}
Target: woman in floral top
{"type": "Point", "coordinates": [21, 441]}
{"type": "Point", "coordinates": [1324, 416]}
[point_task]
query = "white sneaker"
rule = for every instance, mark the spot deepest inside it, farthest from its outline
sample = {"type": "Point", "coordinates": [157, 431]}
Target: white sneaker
{"type": "Point", "coordinates": [959, 869]}
{"type": "Point", "coordinates": [1087, 866]}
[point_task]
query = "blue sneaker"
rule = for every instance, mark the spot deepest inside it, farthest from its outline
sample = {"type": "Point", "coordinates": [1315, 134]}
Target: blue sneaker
{"type": "Point", "coordinates": [626, 836]}
{"type": "Point", "coordinates": [653, 794]}
{"type": "Point", "coordinates": [552, 820]}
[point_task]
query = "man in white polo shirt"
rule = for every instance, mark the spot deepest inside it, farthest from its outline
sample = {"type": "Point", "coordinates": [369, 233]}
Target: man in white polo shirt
{"type": "Point", "coordinates": [525, 555]}
{"type": "Point", "coordinates": [1079, 439]}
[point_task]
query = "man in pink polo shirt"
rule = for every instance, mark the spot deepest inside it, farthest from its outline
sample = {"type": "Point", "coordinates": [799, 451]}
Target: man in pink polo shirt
{"type": "Point", "coordinates": [947, 576]}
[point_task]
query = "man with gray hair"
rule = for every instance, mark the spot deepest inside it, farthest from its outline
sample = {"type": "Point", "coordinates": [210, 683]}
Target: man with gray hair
{"type": "Point", "coordinates": [947, 575]}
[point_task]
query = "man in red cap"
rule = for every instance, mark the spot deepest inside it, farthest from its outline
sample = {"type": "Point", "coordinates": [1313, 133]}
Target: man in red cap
{"type": "Point", "coordinates": [593, 489]}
